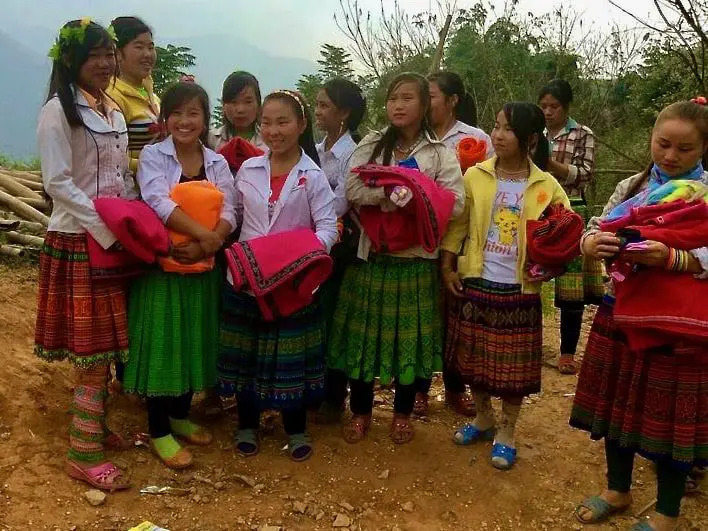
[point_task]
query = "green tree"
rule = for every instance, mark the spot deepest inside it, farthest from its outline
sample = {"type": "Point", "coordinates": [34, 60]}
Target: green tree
{"type": "Point", "coordinates": [172, 62]}
{"type": "Point", "coordinates": [217, 115]}
{"type": "Point", "coordinates": [308, 86]}
{"type": "Point", "coordinates": [335, 62]}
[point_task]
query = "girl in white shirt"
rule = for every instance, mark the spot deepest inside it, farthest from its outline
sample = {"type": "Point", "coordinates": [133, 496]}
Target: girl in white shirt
{"type": "Point", "coordinates": [83, 142]}
{"type": "Point", "coordinates": [277, 365]}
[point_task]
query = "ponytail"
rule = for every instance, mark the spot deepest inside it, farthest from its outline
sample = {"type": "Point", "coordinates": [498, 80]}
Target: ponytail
{"type": "Point", "coordinates": [451, 84]}
{"type": "Point", "coordinates": [466, 110]}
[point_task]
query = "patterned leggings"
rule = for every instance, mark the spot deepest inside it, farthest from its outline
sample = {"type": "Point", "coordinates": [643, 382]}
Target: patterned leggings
{"type": "Point", "coordinates": [88, 421]}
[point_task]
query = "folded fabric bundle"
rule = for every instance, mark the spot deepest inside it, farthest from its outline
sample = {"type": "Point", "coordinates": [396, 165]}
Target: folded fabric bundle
{"type": "Point", "coordinates": [237, 151]}
{"type": "Point", "coordinates": [471, 151]}
{"type": "Point", "coordinates": [140, 233]}
{"type": "Point", "coordinates": [283, 270]}
{"type": "Point", "coordinates": [420, 223]}
{"type": "Point", "coordinates": [554, 240]}
{"type": "Point", "coordinates": [201, 201]}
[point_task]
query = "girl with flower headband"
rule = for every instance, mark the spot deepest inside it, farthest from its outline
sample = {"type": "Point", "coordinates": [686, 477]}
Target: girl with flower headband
{"type": "Point", "coordinates": [277, 364]}
{"type": "Point", "coordinates": [495, 324]}
{"type": "Point", "coordinates": [83, 141]}
{"type": "Point", "coordinates": [648, 401]}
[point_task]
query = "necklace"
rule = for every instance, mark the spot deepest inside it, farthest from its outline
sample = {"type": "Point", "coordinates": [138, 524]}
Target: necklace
{"type": "Point", "coordinates": [407, 151]}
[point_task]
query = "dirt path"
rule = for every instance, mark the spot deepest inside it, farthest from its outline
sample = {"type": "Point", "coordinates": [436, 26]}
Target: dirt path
{"type": "Point", "coordinates": [427, 485]}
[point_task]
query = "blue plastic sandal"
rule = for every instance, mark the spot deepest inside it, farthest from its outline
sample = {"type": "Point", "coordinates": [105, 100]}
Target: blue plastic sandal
{"type": "Point", "coordinates": [469, 434]}
{"type": "Point", "coordinates": [503, 456]}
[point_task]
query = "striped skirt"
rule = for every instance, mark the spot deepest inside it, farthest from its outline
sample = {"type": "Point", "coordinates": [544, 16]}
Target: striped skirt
{"type": "Point", "coordinates": [388, 320]}
{"type": "Point", "coordinates": [174, 333]}
{"type": "Point", "coordinates": [583, 282]}
{"type": "Point", "coordinates": [280, 364]}
{"type": "Point", "coordinates": [494, 338]}
{"type": "Point", "coordinates": [655, 402]}
{"type": "Point", "coordinates": [77, 318]}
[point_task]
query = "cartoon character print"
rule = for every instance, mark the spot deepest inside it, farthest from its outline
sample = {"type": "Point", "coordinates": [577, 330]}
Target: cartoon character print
{"type": "Point", "coordinates": [507, 222]}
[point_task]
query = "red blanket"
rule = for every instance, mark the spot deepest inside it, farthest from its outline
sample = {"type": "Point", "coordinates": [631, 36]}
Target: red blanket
{"type": "Point", "coordinates": [554, 239]}
{"type": "Point", "coordinates": [282, 270]}
{"type": "Point", "coordinates": [420, 223]}
{"type": "Point", "coordinates": [655, 307]}
{"type": "Point", "coordinates": [237, 151]}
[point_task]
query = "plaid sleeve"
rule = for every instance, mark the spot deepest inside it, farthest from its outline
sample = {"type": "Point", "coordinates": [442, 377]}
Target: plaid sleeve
{"type": "Point", "coordinates": [582, 164]}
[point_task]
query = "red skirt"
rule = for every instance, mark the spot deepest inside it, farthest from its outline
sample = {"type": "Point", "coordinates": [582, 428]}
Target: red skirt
{"type": "Point", "coordinates": [77, 318]}
{"type": "Point", "coordinates": [654, 401]}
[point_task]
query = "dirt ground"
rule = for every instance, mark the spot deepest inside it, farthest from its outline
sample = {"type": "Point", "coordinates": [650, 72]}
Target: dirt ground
{"type": "Point", "coordinates": [429, 484]}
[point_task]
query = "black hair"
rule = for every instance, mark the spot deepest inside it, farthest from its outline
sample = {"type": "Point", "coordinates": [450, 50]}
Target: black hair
{"type": "Point", "coordinates": [347, 96]}
{"type": "Point", "coordinates": [451, 84]}
{"type": "Point", "coordinates": [128, 29]}
{"type": "Point", "coordinates": [560, 89]}
{"type": "Point", "coordinates": [387, 142]}
{"type": "Point", "coordinates": [65, 69]}
{"type": "Point", "coordinates": [233, 85]}
{"type": "Point", "coordinates": [302, 111]}
{"type": "Point", "coordinates": [179, 94]}
{"type": "Point", "coordinates": [527, 120]}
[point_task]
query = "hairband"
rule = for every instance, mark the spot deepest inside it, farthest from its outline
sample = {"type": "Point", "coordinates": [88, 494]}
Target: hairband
{"type": "Point", "coordinates": [293, 96]}
{"type": "Point", "coordinates": [700, 100]}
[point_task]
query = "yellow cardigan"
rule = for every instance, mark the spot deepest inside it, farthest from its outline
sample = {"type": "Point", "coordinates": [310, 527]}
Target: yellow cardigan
{"type": "Point", "coordinates": [480, 183]}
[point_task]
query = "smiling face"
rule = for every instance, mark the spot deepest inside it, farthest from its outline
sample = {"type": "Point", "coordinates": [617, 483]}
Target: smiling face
{"type": "Point", "coordinates": [676, 146]}
{"type": "Point", "coordinates": [187, 122]}
{"type": "Point", "coordinates": [404, 107]}
{"type": "Point", "coordinates": [280, 126]}
{"type": "Point", "coordinates": [329, 117]}
{"type": "Point", "coordinates": [137, 58]}
{"type": "Point", "coordinates": [504, 140]}
{"type": "Point", "coordinates": [242, 111]}
{"type": "Point", "coordinates": [96, 73]}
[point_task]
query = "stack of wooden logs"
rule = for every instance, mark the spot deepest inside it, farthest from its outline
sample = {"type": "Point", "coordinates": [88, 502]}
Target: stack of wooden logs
{"type": "Point", "coordinates": [24, 212]}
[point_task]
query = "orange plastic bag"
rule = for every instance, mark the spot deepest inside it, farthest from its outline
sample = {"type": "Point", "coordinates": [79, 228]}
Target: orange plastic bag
{"type": "Point", "coordinates": [471, 151]}
{"type": "Point", "coordinates": [201, 201]}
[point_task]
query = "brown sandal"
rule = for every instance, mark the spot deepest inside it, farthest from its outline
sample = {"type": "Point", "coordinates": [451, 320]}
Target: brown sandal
{"type": "Point", "coordinates": [182, 459]}
{"type": "Point", "coordinates": [422, 405]}
{"type": "Point", "coordinates": [356, 429]}
{"type": "Point", "coordinates": [462, 403]}
{"type": "Point", "coordinates": [401, 429]}
{"type": "Point", "coordinates": [567, 364]}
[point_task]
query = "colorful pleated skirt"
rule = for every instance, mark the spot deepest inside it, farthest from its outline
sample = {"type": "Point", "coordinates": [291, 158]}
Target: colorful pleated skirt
{"type": "Point", "coordinates": [174, 333]}
{"type": "Point", "coordinates": [388, 320]}
{"type": "Point", "coordinates": [279, 364]}
{"type": "Point", "coordinates": [77, 318]}
{"type": "Point", "coordinates": [495, 336]}
{"type": "Point", "coordinates": [655, 402]}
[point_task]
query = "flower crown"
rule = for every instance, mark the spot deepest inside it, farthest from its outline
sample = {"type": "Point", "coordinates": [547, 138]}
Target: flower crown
{"type": "Point", "coordinates": [67, 35]}
{"type": "Point", "coordinates": [700, 100]}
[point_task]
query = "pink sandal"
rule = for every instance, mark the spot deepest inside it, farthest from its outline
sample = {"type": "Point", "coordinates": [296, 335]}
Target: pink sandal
{"type": "Point", "coordinates": [105, 476]}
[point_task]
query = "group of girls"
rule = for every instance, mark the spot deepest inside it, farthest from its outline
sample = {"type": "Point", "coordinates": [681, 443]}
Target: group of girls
{"type": "Point", "coordinates": [468, 307]}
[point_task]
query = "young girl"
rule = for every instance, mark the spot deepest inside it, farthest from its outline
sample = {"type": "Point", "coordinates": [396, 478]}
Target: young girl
{"type": "Point", "coordinates": [83, 149]}
{"type": "Point", "coordinates": [572, 162]}
{"type": "Point", "coordinates": [282, 191]}
{"type": "Point", "coordinates": [494, 334]}
{"type": "Point", "coordinates": [388, 320]}
{"type": "Point", "coordinates": [241, 103]}
{"type": "Point", "coordinates": [453, 116]}
{"type": "Point", "coordinates": [651, 402]}
{"type": "Point", "coordinates": [340, 110]}
{"type": "Point", "coordinates": [174, 318]}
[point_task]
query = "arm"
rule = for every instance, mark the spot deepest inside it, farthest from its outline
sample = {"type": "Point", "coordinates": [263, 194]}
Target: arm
{"type": "Point", "coordinates": [617, 197]}
{"type": "Point", "coordinates": [341, 205]}
{"type": "Point", "coordinates": [580, 171]}
{"type": "Point", "coordinates": [450, 178]}
{"type": "Point", "coordinates": [356, 193]}
{"type": "Point", "coordinates": [55, 151]}
{"type": "Point", "coordinates": [321, 200]}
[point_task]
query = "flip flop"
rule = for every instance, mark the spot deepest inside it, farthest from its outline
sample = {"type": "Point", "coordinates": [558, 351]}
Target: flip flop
{"type": "Point", "coordinates": [105, 476]}
{"type": "Point", "coordinates": [599, 509]}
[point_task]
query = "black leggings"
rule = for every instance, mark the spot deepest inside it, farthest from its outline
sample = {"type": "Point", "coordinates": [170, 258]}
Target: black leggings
{"type": "Point", "coordinates": [570, 325]}
{"type": "Point", "coordinates": [671, 480]}
{"type": "Point", "coordinates": [451, 378]}
{"type": "Point", "coordinates": [249, 416]}
{"type": "Point", "coordinates": [161, 408]}
{"type": "Point", "coordinates": [336, 387]}
{"type": "Point", "coordinates": [362, 398]}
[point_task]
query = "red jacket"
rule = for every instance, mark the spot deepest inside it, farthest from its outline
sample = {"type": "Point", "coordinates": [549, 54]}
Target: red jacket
{"type": "Point", "coordinates": [237, 151]}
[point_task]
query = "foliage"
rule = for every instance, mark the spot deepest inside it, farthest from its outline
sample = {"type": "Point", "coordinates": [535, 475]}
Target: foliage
{"type": "Point", "coordinates": [217, 114]}
{"type": "Point", "coordinates": [172, 62]}
{"type": "Point", "coordinates": [10, 163]}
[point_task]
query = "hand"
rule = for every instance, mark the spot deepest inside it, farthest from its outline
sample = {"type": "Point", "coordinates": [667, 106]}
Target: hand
{"type": "Point", "coordinates": [656, 254]}
{"type": "Point", "coordinates": [188, 253]}
{"type": "Point", "coordinates": [601, 245]}
{"type": "Point", "coordinates": [211, 242]}
{"type": "Point", "coordinates": [401, 196]}
{"type": "Point", "coordinates": [452, 282]}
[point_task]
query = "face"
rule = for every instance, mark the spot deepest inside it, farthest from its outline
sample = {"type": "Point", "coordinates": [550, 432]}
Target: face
{"type": "Point", "coordinates": [442, 107]}
{"type": "Point", "coordinates": [329, 117]}
{"type": "Point", "coordinates": [187, 123]}
{"type": "Point", "coordinates": [137, 58]}
{"type": "Point", "coordinates": [280, 127]}
{"type": "Point", "coordinates": [242, 111]}
{"type": "Point", "coordinates": [98, 70]}
{"type": "Point", "coordinates": [555, 114]}
{"type": "Point", "coordinates": [504, 140]}
{"type": "Point", "coordinates": [404, 106]}
{"type": "Point", "coordinates": [676, 146]}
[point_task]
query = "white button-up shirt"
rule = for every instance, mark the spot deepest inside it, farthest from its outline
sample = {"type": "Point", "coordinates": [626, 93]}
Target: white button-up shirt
{"type": "Point", "coordinates": [159, 171]}
{"type": "Point", "coordinates": [80, 164]}
{"type": "Point", "coordinates": [461, 130]}
{"type": "Point", "coordinates": [306, 201]}
{"type": "Point", "coordinates": [334, 163]}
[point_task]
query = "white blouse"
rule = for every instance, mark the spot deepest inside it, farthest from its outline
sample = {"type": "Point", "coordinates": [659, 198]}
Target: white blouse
{"type": "Point", "coordinates": [334, 163]}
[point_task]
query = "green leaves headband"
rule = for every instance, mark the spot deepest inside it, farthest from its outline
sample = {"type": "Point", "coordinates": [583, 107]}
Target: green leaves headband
{"type": "Point", "coordinates": [67, 35]}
